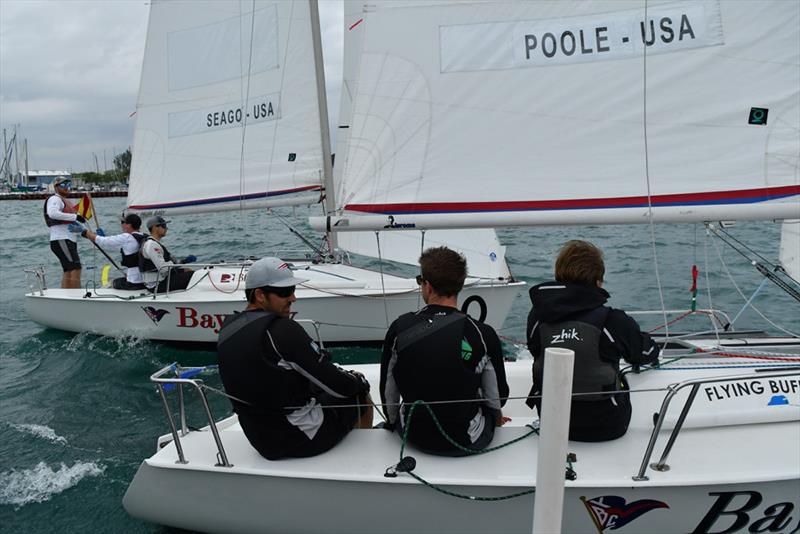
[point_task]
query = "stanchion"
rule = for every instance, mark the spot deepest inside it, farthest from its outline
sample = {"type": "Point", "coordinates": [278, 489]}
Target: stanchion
{"type": "Point", "coordinates": [553, 434]}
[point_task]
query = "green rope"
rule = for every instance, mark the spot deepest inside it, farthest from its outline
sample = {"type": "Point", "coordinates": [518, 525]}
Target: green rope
{"type": "Point", "coordinates": [464, 449]}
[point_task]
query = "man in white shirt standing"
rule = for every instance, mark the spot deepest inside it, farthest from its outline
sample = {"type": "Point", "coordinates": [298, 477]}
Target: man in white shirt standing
{"type": "Point", "coordinates": [128, 242]}
{"type": "Point", "coordinates": [59, 213]}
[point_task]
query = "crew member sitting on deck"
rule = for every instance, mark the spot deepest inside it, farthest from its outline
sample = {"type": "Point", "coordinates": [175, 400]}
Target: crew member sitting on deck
{"type": "Point", "coordinates": [59, 212]}
{"type": "Point", "coordinates": [129, 242]}
{"type": "Point", "coordinates": [441, 354]}
{"type": "Point", "coordinates": [282, 386]}
{"type": "Point", "coordinates": [155, 261]}
{"type": "Point", "coordinates": [570, 313]}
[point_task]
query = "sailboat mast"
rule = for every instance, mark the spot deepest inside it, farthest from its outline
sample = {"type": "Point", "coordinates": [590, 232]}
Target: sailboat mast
{"type": "Point", "coordinates": [27, 174]}
{"type": "Point", "coordinates": [322, 102]}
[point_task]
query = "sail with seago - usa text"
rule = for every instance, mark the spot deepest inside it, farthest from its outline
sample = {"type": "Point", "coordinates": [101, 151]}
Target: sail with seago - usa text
{"type": "Point", "coordinates": [227, 115]}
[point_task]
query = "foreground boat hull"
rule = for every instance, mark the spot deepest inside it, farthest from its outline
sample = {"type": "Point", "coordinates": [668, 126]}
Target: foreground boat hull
{"type": "Point", "coordinates": [237, 503]}
{"type": "Point", "coordinates": [350, 305]}
{"type": "Point", "coordinates": [726, 472]}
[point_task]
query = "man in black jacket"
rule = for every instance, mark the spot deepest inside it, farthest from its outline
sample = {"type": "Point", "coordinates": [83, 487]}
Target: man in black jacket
{"type": "Point", "coordinates": [570, 313]}
{"type": "Point", "coordinates": [285, 388]}
{"type": "Point", "coordinates": [439, 354]}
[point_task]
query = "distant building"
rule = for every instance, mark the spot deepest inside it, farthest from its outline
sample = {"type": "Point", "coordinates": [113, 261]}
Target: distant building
{"type": "Point", "coordinates": [45, 178]}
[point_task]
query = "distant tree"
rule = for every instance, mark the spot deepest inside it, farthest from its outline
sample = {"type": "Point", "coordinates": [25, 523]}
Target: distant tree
{"type": "Point", "coordinates": [122, 165]}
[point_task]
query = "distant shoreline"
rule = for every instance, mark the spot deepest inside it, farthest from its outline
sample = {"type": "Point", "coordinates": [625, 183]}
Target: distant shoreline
{"type": "Point", "coordinates": [42, 195]}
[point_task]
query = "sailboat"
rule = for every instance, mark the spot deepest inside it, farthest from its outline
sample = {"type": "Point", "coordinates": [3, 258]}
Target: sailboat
{"type": "Point", "coordinates": [483, 114]}
{"type": "Point", "coordinates": [232, 115]}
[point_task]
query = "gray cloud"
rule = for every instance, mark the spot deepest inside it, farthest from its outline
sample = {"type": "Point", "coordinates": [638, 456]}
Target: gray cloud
{"type": "Point", "coordinates": [69, 75]}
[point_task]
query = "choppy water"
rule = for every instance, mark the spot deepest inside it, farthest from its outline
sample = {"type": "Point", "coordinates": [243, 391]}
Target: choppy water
{"type": "Point", "coordinates": [77, 414]}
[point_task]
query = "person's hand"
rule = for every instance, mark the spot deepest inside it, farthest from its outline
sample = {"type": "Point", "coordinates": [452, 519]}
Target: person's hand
{"type": "Point", "coordinates": [191, 258]}
{"type": "Point", "coordinates": [80, 218]}
{"type": "Point", "coordinates": [362, 381]}
{"type": "Point", "coordinates": [100, 232]}
{"type": "Point", "coordinates": [75, 228]}
{"type": "Point", "coordinates": [501, 420]}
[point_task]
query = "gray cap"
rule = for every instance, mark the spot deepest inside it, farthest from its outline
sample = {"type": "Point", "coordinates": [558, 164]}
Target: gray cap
{"type": "Point", "coordinates": [152, 221]}
{"type": "Point", "coordinates": [273, 272]}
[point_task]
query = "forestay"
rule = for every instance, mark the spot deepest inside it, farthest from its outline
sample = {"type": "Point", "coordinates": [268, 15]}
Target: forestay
{"type": "Point", "coordinates": [505, 113]}
{"type": "Point", "coordinates": [227, 115]}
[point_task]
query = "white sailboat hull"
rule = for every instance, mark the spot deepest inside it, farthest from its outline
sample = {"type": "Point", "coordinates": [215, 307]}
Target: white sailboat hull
{"type": "Point", "coordinates": [722, 475]}
{"type": "Point", "coordinates": [351, 305]}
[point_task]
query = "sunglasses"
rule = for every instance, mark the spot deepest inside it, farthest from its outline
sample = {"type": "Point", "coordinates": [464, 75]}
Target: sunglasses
{"type": "Point", "coordinates": [420, 279]}
{"type": "Point", "coordinates": [65, 185]}
{"type": "Point", "coordinates": [282, 292]}
{"type": "Point", "coordinates": [162, 225]}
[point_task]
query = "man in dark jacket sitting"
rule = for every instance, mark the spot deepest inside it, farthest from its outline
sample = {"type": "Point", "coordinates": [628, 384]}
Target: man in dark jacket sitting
{"type": "Point", "coordinates": [570, 313]}
{"type": "Point", "coordinates": [290, 399]}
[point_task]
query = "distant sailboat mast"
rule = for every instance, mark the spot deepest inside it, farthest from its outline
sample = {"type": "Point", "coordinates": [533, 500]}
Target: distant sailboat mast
{"type": "Point", "coordinates": [325, 138]}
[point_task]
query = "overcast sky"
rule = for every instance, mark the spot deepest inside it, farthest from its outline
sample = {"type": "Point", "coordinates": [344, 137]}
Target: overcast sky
{"type": "Point", "coordinates": [69, 75]}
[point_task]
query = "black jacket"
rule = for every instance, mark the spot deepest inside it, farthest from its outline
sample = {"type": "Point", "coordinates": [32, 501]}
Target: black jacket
{"type": "Point", "coordinates": [554, 302]}
{"type": "Point", "coordinates": [461, 361]}
{"type": "Point", "coordinates": [602, 418]}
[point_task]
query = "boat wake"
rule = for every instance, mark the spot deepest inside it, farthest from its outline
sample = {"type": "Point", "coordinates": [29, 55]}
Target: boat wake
{"type": "Point", "coordinates": [41, 483]}
{"type": "Point", "coordinates": [40, 431]}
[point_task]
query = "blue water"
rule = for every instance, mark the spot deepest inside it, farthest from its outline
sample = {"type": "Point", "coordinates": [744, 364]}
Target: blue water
{"type": "Point", "coordinates": [77, 414]}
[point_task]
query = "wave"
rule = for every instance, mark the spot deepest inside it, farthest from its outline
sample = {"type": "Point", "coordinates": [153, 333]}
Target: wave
{"type": "Point", "coordinates": [41, 483]}
{"type": "Point", "coordinates": [40, 431]}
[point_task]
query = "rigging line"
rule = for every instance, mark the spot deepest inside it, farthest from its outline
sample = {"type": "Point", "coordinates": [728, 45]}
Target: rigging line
{"type": "Point", "coordinates": [245, 104]}
{"type": "Point", "coordinates": [383, 286]}
{"type": "Point", "coordinates": [750, 300]}
{"type": "Point", "coordinates": [483, 400]}
{"type": "Point", "coordinates": [708, 287]}
{"type": "Point", "coordinates": [282, 67]}
{"type": "Point", "coordinates": [730, 277]}
{"type": "Point", "coordinates": [319, 251]}
{"type": "Point", "coordinates": [743, 245]}
{"type": "Point", "coordinates": [649, 191]}
{"type": "Point", "coordinates": [421, 250]}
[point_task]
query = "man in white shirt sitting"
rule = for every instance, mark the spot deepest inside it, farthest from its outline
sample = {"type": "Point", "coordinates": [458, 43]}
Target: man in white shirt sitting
{"type": "Point", "coordinates": [128, 242]}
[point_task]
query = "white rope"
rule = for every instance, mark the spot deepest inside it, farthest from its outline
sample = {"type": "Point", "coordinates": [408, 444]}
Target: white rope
{"type": "Point", "coordinates": [649, 193]}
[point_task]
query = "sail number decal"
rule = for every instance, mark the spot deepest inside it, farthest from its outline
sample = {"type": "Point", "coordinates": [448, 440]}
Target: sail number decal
{"type": "Point", "coordinates": [598, 37]}
{"type": "Point", "coordinates": [233, 114]}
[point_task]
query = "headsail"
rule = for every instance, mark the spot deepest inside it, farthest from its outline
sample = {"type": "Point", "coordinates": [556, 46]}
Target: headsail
{"type": "Point", "coordinates": [511, 113]}
{"type": "Point", "coordinates": [227, 115]}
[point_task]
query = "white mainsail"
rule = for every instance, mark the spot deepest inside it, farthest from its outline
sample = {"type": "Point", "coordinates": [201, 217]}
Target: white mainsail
{"type": "Point", "coordinates": [509, 113]}
{"type": "Point", "coordinates": [227, 116]}
{"type": "Point", "coordinates": [483, 251]}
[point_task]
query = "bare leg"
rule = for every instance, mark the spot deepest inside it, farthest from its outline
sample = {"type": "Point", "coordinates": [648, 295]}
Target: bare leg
{"type": "Point", "coordinates": [365, 421]}
{"type": "Point", "coordinates": [72, 279]}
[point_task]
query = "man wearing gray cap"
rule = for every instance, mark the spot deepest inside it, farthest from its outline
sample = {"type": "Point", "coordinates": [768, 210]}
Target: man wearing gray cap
{"type": "Point", "coordinates": [290, 399]}
{"type": "Point", "coordinates": [155, 261]}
